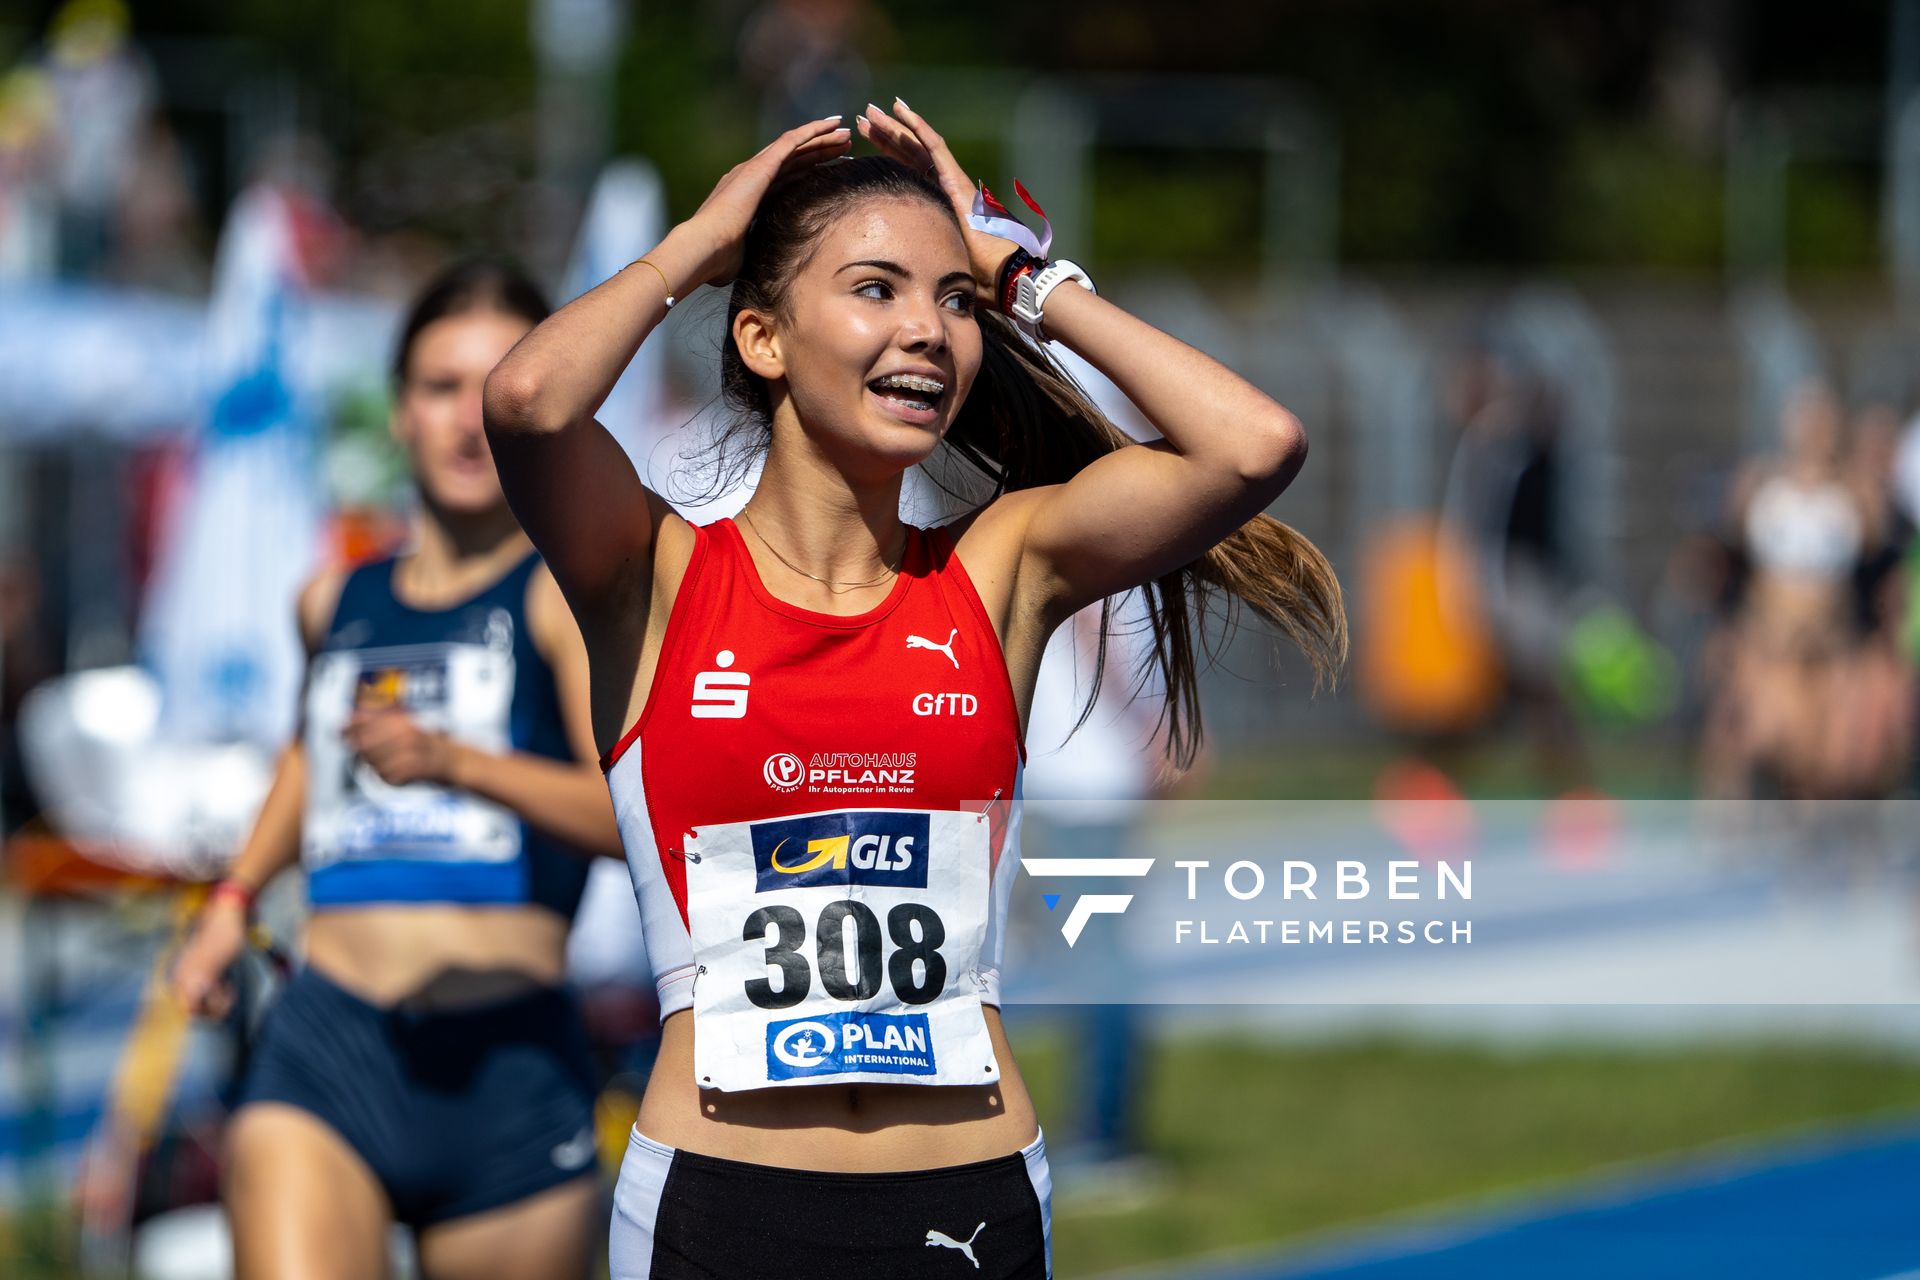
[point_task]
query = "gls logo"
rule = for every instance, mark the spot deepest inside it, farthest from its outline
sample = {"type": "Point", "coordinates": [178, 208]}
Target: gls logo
{"type": "Point", "coordinates": [721, 695]}
{"type": "Point", "coordinates": [887, 847]}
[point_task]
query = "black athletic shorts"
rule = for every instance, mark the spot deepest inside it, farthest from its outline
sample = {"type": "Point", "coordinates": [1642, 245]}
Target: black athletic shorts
{"type": "Point", "coordinates": [683, 1216]}
{"type": "Point", "coordinates": [456, 1112]}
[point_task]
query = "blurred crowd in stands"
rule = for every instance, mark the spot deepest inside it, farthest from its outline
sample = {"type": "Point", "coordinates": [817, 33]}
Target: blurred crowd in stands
{"type": "Point", "coordinates": [93, 183]}
{"type": "Point", "coordinates": [1781, 637]}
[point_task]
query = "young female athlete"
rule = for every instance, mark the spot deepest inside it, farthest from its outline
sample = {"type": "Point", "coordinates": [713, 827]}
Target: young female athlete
{"type": "Point", "coordinates": [426, 1066]}
{"type": "Point", "coordinates": [1805, 521]}
{"type": "Point", "coordinates": [819, 788]}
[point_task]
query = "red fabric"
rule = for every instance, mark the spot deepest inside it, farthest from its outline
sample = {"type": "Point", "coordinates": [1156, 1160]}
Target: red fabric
{"type": "Point", "coordinates": [821, 685]}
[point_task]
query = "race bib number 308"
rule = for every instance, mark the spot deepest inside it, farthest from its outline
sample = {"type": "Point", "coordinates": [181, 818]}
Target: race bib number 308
{"type": "Point", "coordinates": [840, 947]}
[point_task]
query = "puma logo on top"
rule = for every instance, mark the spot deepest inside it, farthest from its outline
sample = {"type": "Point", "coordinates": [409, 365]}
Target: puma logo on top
{"type": "Point", "coordinates": [946, 1241]}
{"type": "Point", "coordinates": [921, 642]}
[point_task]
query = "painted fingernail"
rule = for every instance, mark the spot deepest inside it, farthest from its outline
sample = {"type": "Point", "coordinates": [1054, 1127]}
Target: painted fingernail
{"type": "Point", "coordinates": [829, 117]}
{"type": "Point", "coordinates": [901, 101]}
{"type": "Point", "coordinates": [876, 110]}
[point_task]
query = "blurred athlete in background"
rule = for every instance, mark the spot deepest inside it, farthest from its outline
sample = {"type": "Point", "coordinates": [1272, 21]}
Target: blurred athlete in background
{"type": "Point", "coordinates": [426, 1067]}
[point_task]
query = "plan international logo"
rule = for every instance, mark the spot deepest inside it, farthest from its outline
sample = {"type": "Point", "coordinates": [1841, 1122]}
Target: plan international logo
{"type": "Point", "coordinates": [836, 1043]}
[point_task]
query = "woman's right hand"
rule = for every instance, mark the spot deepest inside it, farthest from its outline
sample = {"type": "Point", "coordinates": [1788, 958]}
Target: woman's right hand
{"type": "Point", "coordinates": [720, 224]}
{"type": "Point", "coordinates": [200, 972]}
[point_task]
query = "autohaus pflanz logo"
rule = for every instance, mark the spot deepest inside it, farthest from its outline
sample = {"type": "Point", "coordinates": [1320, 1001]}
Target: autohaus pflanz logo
{"type": "Point", "coordinates": [784, 771]}
{"type": "Point", "coordinates": [846, 772]}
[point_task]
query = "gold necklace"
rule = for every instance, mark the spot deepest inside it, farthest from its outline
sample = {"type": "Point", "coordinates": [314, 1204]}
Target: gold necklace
{"type": "Point", "coordinates": [829, 583]}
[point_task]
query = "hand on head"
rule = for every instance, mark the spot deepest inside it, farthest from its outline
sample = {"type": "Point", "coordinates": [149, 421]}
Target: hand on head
{"type": "Point", "coordinates": [905, 136]}
{"type": "Point", "coordinates": [723, 217]}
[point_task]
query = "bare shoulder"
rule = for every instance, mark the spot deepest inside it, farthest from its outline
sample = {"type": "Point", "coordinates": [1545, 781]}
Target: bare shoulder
{"type": "Point", "coordinates": [673, 543]}
{"type": "Point", "coordinates": [614, 620]}
{"type": "Point", "coordinates": [992, 535]}
{"type": "Point", "coordinates": [991, 543]}
{"type": "Point", "coordinates": [318, 599]}
{"type": "Point", "coordinates": [623, 630]}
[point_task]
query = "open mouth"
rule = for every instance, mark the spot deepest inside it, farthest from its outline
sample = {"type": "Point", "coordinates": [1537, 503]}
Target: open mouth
{"type": "Point", "coordinates": [910, 396]}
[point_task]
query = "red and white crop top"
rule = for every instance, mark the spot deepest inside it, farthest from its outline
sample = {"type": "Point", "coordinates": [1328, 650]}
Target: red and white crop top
{"type": "Point", "coordinates": [821, 818]}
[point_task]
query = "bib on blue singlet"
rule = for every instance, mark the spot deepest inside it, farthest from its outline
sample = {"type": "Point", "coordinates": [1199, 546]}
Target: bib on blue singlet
{"type": "Point", "coordinates": [840, 947]}
{"type": "Point", "coordinates": [463, 690]}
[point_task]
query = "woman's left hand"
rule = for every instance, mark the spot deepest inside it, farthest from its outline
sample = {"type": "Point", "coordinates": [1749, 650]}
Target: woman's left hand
{"type": "Point", "coordinates": [905, 137]}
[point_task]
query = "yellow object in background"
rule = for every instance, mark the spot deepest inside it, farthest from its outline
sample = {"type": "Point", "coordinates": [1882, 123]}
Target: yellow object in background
{"type": "Point", "coordinates": [156, 1045]}
{"type": "Point", "coordinates": [1426, 662]}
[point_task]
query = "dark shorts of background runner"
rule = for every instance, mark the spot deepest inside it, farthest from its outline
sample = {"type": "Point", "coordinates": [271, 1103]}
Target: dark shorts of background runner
{"type": "Point", "coordinates": [683, 1216]}
{"type": "Point", "coordinates": [456, 1112]}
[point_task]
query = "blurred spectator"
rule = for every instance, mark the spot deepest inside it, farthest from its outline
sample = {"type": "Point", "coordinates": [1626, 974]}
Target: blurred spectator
{"type": "Point", "coordinates": [1806, 520]}
{"type": "Point", "coordinates": [1697, 596]}
{"type": "Point", "coordinates": [1871, 467]}
{"type": "Point", "coordinates": [1904, 478]}
{"type": "Point", "coordinates": [156, 225]}
{"type": "Point", "coordinates": [1870, 722]}
{"type": "Point", "coordinates": [104, 96]}
{"type": "Point", "coordinates": [802, 56]}
{"type": "Point", "coordinates": [23, 664]}
{"type": "Point", "coordinates": [1504, 500]}
{"type": "Point", "coordinates": [28, 204]}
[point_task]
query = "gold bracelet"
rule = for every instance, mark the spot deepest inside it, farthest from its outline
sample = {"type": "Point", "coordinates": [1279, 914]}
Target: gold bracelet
{"type": "Point", "coordinates": [642, 262]}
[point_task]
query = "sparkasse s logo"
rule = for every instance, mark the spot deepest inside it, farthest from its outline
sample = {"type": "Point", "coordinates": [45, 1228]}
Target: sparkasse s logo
{"type": "Point", "coordinates": [721, 695]}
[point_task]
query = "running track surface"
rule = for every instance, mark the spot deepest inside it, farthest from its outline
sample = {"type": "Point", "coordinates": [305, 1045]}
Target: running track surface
{"type": "Point", "coordinates": [1841, 1207]}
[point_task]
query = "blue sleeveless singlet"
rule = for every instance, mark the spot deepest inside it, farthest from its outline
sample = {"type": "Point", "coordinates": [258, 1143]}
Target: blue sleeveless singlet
{"type": "Point", "coordinates": [471, 671]}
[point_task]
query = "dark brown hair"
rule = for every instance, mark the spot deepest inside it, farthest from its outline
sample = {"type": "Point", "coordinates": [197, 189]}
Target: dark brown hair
{"type": "Point", "coordinates": [1026, 423]}
{"type": "Point", "coordinates": [475, 284]}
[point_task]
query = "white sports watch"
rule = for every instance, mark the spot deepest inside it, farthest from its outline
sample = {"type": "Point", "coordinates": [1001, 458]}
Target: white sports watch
{"type": "Point", "coordinates": [1030, 293]}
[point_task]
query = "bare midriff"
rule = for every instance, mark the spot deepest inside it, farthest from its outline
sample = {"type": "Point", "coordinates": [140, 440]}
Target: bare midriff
{"type": "Point", "coordinates": [1796, 610]}
{"type": "Point", "coordinates": [438, 957]}
{"type": "Point", "coordinates": [846, 1128]}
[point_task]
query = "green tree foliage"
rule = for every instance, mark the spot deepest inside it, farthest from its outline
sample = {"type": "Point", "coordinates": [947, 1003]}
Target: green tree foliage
{"type": "Point", "coordinates": [1511, 133]}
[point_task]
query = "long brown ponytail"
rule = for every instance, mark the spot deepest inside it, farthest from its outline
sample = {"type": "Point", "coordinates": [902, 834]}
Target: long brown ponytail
{"type": "Point", "coordinates": [1026, 423]}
